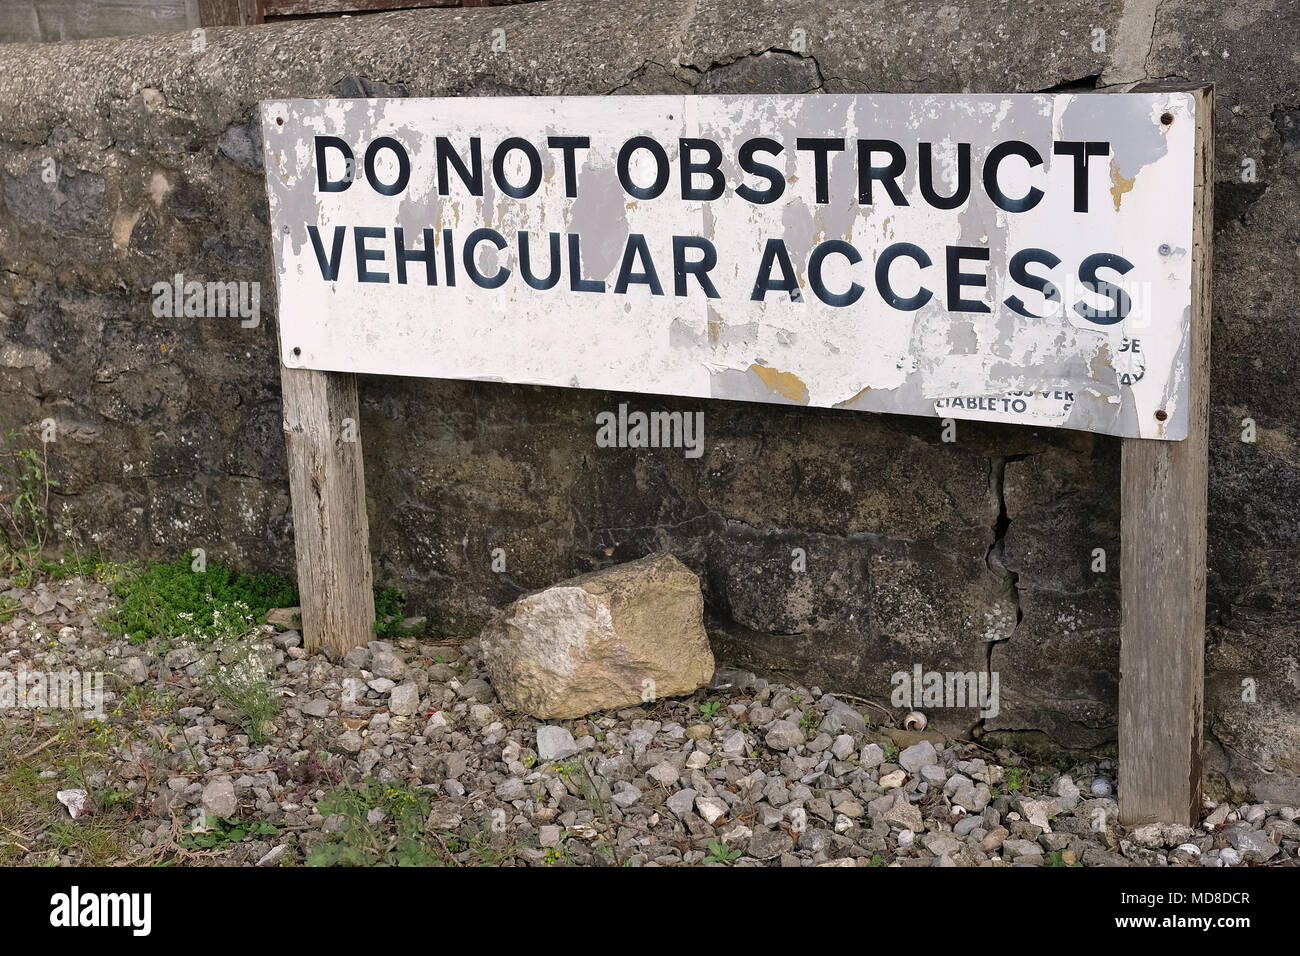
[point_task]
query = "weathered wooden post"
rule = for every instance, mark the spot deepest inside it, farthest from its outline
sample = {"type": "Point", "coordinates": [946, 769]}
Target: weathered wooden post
{"type": "Point", "coordinates": [328, 489]}
{"type": "Point", "coordinates": [1162, 569]}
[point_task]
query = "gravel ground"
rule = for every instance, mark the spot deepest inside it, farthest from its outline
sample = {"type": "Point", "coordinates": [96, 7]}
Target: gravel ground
{"type": "Point", "coordinates": [748, 773]}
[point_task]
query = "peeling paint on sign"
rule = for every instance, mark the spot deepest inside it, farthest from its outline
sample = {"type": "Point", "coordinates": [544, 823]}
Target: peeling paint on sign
{"type": "Point", "coordinates": [1021, 258]}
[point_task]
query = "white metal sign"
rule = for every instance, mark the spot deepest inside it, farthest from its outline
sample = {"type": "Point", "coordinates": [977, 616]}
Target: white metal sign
{"type": "Point", "coordinates": [1021, 258]}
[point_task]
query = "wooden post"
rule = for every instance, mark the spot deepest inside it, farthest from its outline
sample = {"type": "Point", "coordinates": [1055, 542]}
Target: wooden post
{"type": "Point", "coordinates": [1162, 569]}
{"type": "Point", "coordinates": [328, 490]}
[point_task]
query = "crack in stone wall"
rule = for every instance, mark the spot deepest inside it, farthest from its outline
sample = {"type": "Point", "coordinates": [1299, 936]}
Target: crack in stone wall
{"type": "Point", "coordinates": [994, 560]}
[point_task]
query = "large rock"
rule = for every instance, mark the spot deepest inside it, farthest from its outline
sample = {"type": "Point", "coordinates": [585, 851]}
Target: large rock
{"type": "Point", "coordinates": [601, 641]}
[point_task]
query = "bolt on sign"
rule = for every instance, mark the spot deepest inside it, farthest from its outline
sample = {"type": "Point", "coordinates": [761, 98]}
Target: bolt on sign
{"type": "Point", "coordinates": [1017, 258]}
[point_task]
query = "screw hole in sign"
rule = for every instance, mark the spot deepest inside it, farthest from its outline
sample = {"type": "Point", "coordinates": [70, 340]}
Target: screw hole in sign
{"type": "Point", "coordinates": [1167, 118]}
{"type": "Point", "coordinates": [1161, 414]}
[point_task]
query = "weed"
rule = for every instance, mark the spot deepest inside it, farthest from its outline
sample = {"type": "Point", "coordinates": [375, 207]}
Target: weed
{"type": "Point", "coordinates": [21, 800]}
{"type": "Point", "coordinates": [113, 797]}
{"type": "Point", "coordinates": [312, 769]}
{"type": "Point", "coordinates": [96, 843]}
{"type": "Point", "coordinates": [555, 855]}
{"type": "Point", "coordinates": [1015, 779]}
{"type": "Point", "coordinates": [174, 601]}
{"type": "Point", "coordinates": [390, 608]}
{"type": "Point", "coordinates": [570, 770]}
{"type": "Point", "coordinates": [92, 566]}
{"type": "Point", "coordinates": [595, 791]}
{"type": "Point", "coordinates": [720, 853]}
{"type": "Point", "coordinates": [810, 722]}
{"type": "Point", "coordinates": [380, 824]}
{"type": "Point", "coordinates": [240, 676]}
{"type": "Point", "coordinates": [25, 486]}
{"type": "Point", "coordinates": [480, 847]}
{"type": "Point", "coordinates": [218, 834]}
{"type": "Point", "coordinates": [147, 701]}
{"type": "Point", "coordinates": [710, 708]}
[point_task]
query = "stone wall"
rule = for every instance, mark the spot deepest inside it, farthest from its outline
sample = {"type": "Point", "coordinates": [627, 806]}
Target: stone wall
{"type": "Point", "coordinates": [952, 556]}
{"type": "Point", "coordinates": [47, 21]}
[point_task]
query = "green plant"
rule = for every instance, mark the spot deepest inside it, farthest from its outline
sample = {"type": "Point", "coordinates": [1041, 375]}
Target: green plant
{"type": "Point", "coordinates": [481, 848]}
{"type": "Point", "coordinates": [221, 833]}
{"type": "Point", "coordinates": [390, 610]}
{"type": "Point", "coordinates": [876, 860]}
{"type": "Point", "coordinates": [569, 770]}
{"type": "Point", "coordinates": [555, 855]}
{"type": "Point", "coordinates": [92, 565]}
{"type": "Point", "coordinates": [392, 837]}
{"type": "Point", "coordinates": [710, 708]}
{"type": "Point", "coordinates": [145, 701]}
{"type": "Point", "coordinates": [810, 722]}
{"type": "Point", "coordinates": [239, 675]}
{"type": "Point", "coordinates": [891, 752]}
{"type": "Point", "coordinates": [174, 600]}
{"type": "Point", "coordinates": [720, 853]}
{"type": "Point", "coordinates": [25, 486]}
{"type": "Point", "coordinates": [97, 843]}
{"type": "Point", "coordinates": [1015, 779]}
